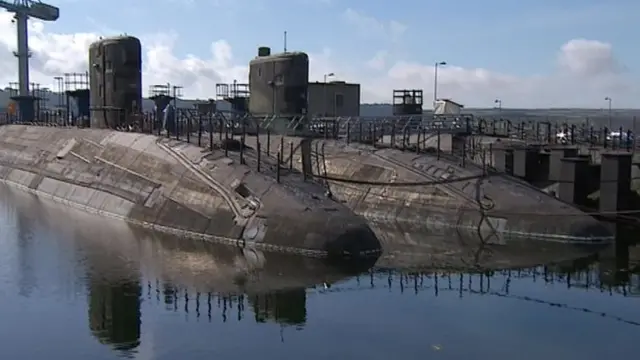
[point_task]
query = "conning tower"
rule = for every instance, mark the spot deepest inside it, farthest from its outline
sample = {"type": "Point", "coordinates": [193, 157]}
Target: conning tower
{"type": "Point", "coordinates": [115, 79]}
{"type": "Point", "coordinates": [279, 83]}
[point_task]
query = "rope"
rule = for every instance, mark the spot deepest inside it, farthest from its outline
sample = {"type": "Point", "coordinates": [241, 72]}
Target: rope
{"type": "Point", "coordinates": [397, 184]}
{"type": "Point", "coordinates": [485, 203]}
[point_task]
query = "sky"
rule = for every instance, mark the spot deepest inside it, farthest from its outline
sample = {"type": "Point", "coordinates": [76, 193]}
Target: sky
{"type": "Point", "coordinates": [527, 53]}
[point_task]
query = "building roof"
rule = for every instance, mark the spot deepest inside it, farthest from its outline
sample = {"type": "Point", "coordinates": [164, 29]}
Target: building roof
{"type": "Point", "coordinates": [334, 83]}
{"type": "Point", "coordinates": [451, 102]}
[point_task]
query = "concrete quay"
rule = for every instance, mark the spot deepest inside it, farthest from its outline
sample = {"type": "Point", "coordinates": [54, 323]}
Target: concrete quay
{"type": "Point", "coordinates": [598, 178]}
{"type": "Point", "coordinates": [180, 189]}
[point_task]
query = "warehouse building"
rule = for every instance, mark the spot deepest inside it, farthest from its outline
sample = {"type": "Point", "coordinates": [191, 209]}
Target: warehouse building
{"type": "Point", "coordinates": [335, 98]}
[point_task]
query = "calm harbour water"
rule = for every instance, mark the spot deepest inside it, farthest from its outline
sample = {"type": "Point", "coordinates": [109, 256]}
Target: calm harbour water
{"type": "Point", "coordinates": [78, 287]}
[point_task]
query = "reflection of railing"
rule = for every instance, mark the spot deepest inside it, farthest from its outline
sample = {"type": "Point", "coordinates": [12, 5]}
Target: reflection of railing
{"type": "Point", "coordinates": [495, 283]}
{"type": "Point", "coordinates": [285, 306]}
{"type": "Point", "coordinates": [587, 279]}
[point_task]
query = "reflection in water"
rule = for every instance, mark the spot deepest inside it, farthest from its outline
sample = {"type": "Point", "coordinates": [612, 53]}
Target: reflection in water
{"type": "Point", "coordinates": [114, 314]}
{"type": "Point", "coordinates": [289, 307]}
{"type": "Point", "coordinates": [25, 248]}
{"type": "Point", "coordinates": [225, 291]}
{"type": "Point", "coordinates": [284, 307]}
{"type": "Point", "coordinates": [581, 274]}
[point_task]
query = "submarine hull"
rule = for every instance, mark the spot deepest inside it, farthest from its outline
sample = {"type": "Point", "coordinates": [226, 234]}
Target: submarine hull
{"type": "Point", "coordinates": [180, 189]}
{"type": "Point", "coordinates": [118, 252]}
{"type": "Point", "coordinates": [441, 193]}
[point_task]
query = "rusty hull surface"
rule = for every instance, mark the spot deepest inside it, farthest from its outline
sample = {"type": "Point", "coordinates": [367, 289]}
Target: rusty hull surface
{"type": "Point", "coordinates": [493, 210]}
{"type": "Point", "coordinates": [179, 188]}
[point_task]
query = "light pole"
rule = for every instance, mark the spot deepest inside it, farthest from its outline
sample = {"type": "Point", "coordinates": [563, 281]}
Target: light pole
{"type": "Point", "coordinates": [609, 100]}
{"type": "Point", "coordinates": [435, 81]}
{"type": "Point", "coordinates": [498, 102]}
{"type": "Point", "coordinates": [324, 101]}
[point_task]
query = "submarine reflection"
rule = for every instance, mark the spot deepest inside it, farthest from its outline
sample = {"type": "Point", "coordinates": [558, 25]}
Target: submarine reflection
{"type": "Point", "coordinates": [191, 275]}
{"type": "Point", "coordinates": [114, 314]}
{"type": "Point", "coordinates": [409, 247]}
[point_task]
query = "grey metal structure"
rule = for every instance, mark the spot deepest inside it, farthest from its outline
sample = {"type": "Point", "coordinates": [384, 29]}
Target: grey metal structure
{"type": "Point", "coordinates": [279, 83]}
{"type": "Point", "coordinates": [23, 10]}
{"type": "Point", "coordinates": [115, 80]}
{"type": "Point", "coordinates": [335, 98]}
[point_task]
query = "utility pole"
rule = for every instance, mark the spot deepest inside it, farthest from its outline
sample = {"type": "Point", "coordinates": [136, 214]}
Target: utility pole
{"type": "Point", "coordinates": [610, 119]}
{"type": "Point", "coordinates": [435, 81]}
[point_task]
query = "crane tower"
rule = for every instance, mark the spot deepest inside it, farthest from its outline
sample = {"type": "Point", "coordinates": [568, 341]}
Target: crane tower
{"type": "Point", "coordinates": [23, 10]}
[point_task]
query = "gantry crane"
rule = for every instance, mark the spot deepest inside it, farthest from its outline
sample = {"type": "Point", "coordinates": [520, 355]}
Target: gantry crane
{"type": "Point", "coordinates": [23, 10]}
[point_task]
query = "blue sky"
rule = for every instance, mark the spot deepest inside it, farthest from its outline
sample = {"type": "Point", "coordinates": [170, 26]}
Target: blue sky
{"type": "Point", "coordinates": [512, 40]}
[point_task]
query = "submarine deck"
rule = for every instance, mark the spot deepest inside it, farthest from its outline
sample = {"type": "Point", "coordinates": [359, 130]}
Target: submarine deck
{"type": "Point", "coordinates": [179, 188]}
{"type": "Point", "coordinates": [410, 192]}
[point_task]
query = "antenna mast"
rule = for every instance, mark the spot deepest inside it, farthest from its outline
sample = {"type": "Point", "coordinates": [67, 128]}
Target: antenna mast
{"type": "Point", "coordinates": [285, 41]}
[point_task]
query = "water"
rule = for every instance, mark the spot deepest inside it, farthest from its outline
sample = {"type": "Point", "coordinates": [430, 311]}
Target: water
{"type": "Point", "coordinates": [91, 288]}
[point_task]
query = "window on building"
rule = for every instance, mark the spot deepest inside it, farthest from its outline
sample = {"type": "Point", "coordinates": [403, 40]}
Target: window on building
{"type": "Point", "coordinates": [339, 100]}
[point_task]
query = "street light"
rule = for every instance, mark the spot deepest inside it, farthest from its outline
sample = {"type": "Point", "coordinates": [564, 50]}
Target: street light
{"type": "Point", "coordinates": [324, 102]}
{"type": "Point", "coordinates": [499, 103]}
{"type": "Point", "coordinates": [609, 100]}
{"type": "Point", "coordinates": [435, 81]}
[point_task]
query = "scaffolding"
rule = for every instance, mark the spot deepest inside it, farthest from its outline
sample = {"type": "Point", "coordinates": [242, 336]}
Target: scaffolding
{"type": "Point", "coordinates": [407, 102]}
{"type": "Point", "coordinates": [236, 94]}
{"type": "Point", "coordinates": [13, 89]}
{"type": "Point", "coordinates": [60, 100]}
{"type": "Point", "coordinates": [41, 97]}
{"type": "Point", "coordinates": [76, 88]}
{"type": "Point", "coordinates": [167, 90]}
{"type": "Point", "coordinates": [35, 102]}
{"type": "Point", "coordinates": [76, 81]}
{"type": "Point", "coordinates": [162, 95]}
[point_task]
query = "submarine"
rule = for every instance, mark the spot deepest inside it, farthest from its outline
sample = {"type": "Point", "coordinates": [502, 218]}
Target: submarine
{"type": "Point", "coordinates": [429, 191]}
{"type": "Point", "coordinates": [391, 187]}
{"type": "Point", "coordinates": [118, 252]}
{"type": "Point", "coordinates": [168, 185]}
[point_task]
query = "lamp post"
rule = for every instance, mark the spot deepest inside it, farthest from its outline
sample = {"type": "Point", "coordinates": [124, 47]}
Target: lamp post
{"type": "Point", "coordinates": [498, 102]}
{"type": "Point", "coordinates": [435, 81]}
{"type": "Point", "coordinates": [324, 101]}
{"type": "Point", "coordinates": [610, 120]}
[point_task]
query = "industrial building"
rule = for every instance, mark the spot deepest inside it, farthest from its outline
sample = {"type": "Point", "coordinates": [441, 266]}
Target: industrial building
{"type": "Point", "coordinates": [447, 107]}
{"type": "Point", "coordinates": [278, 83]}
{"type": "Point", "coordinates": [335, 98]}
{"type": "Point", "coordinates": [115, 80]}
{"type": "Point", "coordinates": [407, 102]}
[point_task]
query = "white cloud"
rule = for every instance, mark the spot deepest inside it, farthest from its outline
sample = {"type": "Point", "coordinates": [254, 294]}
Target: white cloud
{"type": "Point", "coordinates": [378, 61]}
{"type": "Point", "coordinates": [374, 28]}
{"type": "Point", "coordinates": [588, 58]}
{"type": "Point", "coordinates": [587, 71]}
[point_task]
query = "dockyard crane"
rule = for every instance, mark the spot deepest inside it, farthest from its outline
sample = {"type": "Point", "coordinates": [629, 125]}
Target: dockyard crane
{"type": "Point", "coordinates": [23, 10]}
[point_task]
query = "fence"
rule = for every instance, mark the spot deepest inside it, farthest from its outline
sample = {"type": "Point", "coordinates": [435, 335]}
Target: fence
{"type": "Point", "coordinates": [229, 131]}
